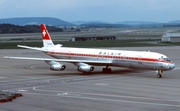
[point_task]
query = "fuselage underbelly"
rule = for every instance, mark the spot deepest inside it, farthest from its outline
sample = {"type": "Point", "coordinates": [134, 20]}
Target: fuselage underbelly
{"type": "Point", "coordinates": [117, 62]}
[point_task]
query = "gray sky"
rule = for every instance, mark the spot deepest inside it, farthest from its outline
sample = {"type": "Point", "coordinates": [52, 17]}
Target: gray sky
{"type": "Point", "coordinates": [93, 10]}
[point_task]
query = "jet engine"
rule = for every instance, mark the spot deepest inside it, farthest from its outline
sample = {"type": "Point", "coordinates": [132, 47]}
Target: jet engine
{"type": "Point", "coordinates": [57, 67]}
{"type": "Point", "coordinates": [85, 68]}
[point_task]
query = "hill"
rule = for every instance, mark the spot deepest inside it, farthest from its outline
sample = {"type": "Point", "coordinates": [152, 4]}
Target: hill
{"type": "Point", "coordinates": [35, 21]}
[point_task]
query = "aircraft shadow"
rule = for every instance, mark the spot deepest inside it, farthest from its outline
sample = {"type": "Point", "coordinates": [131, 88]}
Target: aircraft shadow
{"type": "Point", "coordinates": [114, 72]}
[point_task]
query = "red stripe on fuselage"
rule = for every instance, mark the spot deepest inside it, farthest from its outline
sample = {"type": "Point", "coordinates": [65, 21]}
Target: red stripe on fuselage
{"type": "Point", "coordinates": [108, 56]}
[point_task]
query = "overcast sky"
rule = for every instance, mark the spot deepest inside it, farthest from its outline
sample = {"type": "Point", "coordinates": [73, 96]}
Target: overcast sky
{"type": "Point", "coordinates": [93, 10]}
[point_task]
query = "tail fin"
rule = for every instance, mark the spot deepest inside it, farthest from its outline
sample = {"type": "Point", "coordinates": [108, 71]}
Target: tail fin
{"type": "Point", "coordinates": [47, 42]}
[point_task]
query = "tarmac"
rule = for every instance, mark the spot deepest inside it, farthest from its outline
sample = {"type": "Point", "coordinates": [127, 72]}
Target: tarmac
{"type": "Point", "coordinates": [69, 90]}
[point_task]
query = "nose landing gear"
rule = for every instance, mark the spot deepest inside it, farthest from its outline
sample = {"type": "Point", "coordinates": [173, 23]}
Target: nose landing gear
{"type": "Point", "coordinates": [159, 75]}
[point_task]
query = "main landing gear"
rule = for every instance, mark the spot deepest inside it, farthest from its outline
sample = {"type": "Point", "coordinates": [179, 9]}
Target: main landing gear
{"type": "Point", "coordinates": [106, 70]}
{"type": "Point", "coordinates": [159, 75]}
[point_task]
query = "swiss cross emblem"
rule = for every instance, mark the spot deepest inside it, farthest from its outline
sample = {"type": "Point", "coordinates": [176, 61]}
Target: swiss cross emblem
{"type": "Point", "coordinates": [44, 33]}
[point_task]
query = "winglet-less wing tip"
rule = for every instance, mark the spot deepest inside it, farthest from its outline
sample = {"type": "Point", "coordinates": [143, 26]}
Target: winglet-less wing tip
{"type": "Point", "coordinates": [6, 57]}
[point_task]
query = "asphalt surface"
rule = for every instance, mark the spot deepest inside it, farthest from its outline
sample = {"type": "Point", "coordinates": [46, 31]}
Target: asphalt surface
{"type": "Point", "coordinates": [70, 90]}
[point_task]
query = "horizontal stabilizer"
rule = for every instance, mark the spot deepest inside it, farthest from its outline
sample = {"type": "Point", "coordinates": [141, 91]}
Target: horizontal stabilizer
{"type": "Point", "coordinates": [34, 48]}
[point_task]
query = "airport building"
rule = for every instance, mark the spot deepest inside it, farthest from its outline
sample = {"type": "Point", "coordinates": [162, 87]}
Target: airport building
{"type": "Point", "coordinates": [93, 38]}
{"type": "Point", "coordinates": [171, 37]}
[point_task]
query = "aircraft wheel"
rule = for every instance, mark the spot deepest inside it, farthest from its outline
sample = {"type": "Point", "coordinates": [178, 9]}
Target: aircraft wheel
{"type": "Point", "coordinates": [106, 70]}
{"type": "Point", "coordinates": [159, 76]}
{"type": "Point", "coordinates": [109, 70]}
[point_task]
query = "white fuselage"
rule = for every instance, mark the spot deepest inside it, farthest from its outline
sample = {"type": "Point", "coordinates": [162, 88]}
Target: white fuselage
{"type": "Point", "coordinates": [120, 58]}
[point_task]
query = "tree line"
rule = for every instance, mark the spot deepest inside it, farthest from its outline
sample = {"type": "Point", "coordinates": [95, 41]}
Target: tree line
{"type": "Point", "coordinates": [11, 29]}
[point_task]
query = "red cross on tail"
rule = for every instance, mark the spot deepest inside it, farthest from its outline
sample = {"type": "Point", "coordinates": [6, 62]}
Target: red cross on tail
{"type": "Point", "coordinates": [47, 42]}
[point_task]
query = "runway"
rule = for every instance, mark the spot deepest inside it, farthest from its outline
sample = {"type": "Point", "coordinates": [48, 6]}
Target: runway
{"type": "Point", "coordinates": [70, 90]}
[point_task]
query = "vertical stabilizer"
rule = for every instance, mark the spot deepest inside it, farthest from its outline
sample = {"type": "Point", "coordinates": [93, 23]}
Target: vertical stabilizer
{"type": "Point", "coordinates": [47, 42]}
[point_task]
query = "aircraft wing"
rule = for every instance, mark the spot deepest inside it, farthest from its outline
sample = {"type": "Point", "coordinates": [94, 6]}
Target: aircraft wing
{"type": "Point", "coordinates": [63, 60]}
{"type": "Point", "coordinates": [34, 48]}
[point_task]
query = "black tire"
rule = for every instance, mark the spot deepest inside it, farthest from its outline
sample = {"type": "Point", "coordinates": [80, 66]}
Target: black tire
{"type": "Point", "coordinates": [106, 70]}
{"type": "Point", "coordinates": [109, 70]}
{"type": "Point", "coordinates": [159, 76]}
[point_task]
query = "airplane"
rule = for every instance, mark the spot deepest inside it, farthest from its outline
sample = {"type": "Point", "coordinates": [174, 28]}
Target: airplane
{"type": "Point", "coordinates": [86, 58]}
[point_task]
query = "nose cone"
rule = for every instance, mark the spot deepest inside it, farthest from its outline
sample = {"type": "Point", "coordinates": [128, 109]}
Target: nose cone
{"type": "Point", "coordinates": [171, 66]}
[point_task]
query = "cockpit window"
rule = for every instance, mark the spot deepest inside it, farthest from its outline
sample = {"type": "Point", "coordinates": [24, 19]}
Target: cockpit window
{"type": "Point", "coordinates": [166, 59]}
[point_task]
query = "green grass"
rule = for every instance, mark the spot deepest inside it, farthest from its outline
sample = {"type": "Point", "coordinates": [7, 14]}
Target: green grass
{"type": "Point", "coordinates": [88, 44]}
